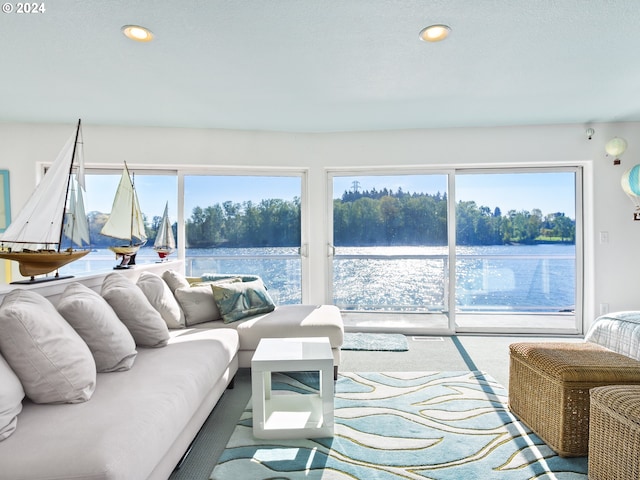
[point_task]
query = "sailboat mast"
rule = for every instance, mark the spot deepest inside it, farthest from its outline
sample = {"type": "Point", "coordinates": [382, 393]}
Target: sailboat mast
{"type": "Point", "coordinates": [133, 207]}
{"type": "Point", "coordinates": [64, 209]}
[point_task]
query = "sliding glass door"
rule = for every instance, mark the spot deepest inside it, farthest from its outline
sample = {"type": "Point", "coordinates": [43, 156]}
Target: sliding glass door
{"type": "Point", "coordinates": [518, 250]}
{"type": "Point", "coordinates": [511, 262]}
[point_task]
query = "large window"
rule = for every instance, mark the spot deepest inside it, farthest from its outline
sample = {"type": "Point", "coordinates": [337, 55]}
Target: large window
{"type": "Point", "coordinates": [246, 224]}
{"type": "Point", "coordinates": [517, 234]}
{"type": "Point", "coordinates": [155, 190]}
{"type": "Point", "coordinates": [240, 224]}
{"type": "Point", "coordinates": [511, 262]}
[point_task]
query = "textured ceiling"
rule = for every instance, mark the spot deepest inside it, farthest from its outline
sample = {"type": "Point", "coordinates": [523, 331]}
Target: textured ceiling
{"type": "Point", "coordinates": [322, 65]}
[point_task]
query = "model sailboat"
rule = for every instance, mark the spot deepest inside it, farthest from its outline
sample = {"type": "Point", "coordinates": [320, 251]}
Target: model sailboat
{"type": "Point", "coordinates": [126, 222]}
{"type": "Point", "coordinates": [53, 215]}
{"type": "Point", "coordinates": [165, 242]}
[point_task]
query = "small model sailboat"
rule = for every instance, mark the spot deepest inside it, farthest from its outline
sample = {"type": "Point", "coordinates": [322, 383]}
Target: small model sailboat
{"type": "Point", "coordinates": [165, 242]}
{"type": "Point", "coordinates": [53, 215]}
{"type": "Point", "coordinates": [126, 222]}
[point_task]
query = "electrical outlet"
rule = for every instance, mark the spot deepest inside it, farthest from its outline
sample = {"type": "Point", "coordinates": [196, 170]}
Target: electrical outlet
{"type": "Point", "coordinates": [604, 237]}
{"type": "Point", "coordinates": [604, 308]}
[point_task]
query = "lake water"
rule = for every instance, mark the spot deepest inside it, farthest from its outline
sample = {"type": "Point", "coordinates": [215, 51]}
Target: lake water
{"type": "Point", "coordinates": [530, 278]}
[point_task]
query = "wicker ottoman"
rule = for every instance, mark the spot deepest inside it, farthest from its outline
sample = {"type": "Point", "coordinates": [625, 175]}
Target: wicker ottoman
{"type": "Point", "coordinates": [614, 433]}
{"type": "Point", "coordinates": [549, 387]}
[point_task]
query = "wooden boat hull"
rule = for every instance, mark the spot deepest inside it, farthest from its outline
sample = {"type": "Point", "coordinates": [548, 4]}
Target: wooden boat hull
{"type": "Point", "coordinates": [125, 250]}
{"type": "Point", "coordinates": [43, 261]}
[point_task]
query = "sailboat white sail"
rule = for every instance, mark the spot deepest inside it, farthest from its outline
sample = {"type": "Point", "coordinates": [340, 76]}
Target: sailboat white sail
{"type": "Point", "coordinates": [34, 239]}
{"type": "Point", "coordinates": [165, 242]}
{"type": "Point", "coordinates": [126, 221]}
{"type": "Point", "coordinates": [76, 227]}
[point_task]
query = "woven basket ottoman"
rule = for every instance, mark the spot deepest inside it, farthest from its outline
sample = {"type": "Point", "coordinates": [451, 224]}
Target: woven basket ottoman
{"type": "Point", "coordinates": [614, 433]}
{"type": "Point", "coordinates": [549, 387]}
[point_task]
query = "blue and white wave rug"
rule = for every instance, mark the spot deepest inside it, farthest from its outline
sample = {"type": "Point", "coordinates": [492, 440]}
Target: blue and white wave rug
{"type": "Point", "coordinates": [409, 425]}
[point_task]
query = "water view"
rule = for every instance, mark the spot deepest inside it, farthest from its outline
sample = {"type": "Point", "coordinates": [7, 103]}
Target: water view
{"type": "Point", "coordinates": [515, 236]}
{"type": "Point", "coordinates": [525, 278]}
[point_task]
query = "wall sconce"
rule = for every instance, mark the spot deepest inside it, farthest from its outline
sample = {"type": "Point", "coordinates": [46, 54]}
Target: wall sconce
{"type": "Point", "coordinates": [590, 132]}
{"type": "Point", "coordinates": [616, 147]}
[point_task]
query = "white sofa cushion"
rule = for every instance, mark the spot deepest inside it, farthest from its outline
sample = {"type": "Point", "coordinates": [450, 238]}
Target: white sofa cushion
{"type": "Point", "coordinates": [292, 321]}
{"type": "Point", "coordinates": [134, 310]}
{"type": "Point", "coordinates": [52, 362]}
{"type": "Point", "coordinates": [174, 279]}
{"type": "Point", "coordinates": [162, 299]}
{"type": "Point", "coordinates": [11, 395]}
{"type": "Point", "coordinates": [198, 304]}
{"type": "Point", "coordinates": [90, 315]}
{"type": "Point", "coordinates": [287, 321]}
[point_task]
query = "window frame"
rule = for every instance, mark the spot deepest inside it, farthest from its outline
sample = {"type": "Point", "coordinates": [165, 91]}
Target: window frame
{"type": "Point", "coordinates": [579, 192]}
{"type": "Point", "coordinates": [580, 198]}
{"type": "Point", "coordinates": [180, 218]}
{"type": "Point", "coordinates": [301, 173]}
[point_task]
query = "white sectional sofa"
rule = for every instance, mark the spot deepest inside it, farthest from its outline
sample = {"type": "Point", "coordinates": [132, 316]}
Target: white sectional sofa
{"type": "Point", "coordinates": [285, 321]}
{"type": "Point", "coordinates": [196, 299]}
{"type": "Point", "coordinates": [135, 423]}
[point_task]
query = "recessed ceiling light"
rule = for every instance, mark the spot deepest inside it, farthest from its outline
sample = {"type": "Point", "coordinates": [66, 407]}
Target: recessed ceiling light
{"type": "Point", "coordinates": [137, 33]}
{"type": "Point", "coordinates": [434, 33]}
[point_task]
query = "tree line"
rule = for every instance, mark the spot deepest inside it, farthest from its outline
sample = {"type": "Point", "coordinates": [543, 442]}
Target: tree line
{"type": "Point", "coordinates": [385, 217]}
{"type": "Point", "coordinates": [370, 217]}
{"type": "Point", "coordinates": [270, 223]}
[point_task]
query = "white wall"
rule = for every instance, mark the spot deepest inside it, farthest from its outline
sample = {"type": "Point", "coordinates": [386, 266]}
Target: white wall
{"type": "Point", "coordinates": [610, 269]}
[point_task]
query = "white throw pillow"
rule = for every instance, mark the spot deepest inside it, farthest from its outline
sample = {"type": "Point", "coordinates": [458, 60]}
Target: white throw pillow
{"type": "Point", "coordinates": [161, 298]}
{"type": "Point", "coordinates": [90, 315]}
{"type": "Point", "coordinates": [134, 310]}
{"type": "Point", "coordinates": [11, 395]}
{"type": "Point", "coordinates": [174, 279]}
{"type": "Point", "coordinates": [198, 304]}
{"type": "Point", "coordinates": [52, 362]}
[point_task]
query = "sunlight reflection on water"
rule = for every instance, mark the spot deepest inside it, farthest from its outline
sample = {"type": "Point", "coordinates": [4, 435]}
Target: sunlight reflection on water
{"type": "Point", "coordinates": [541, 278]}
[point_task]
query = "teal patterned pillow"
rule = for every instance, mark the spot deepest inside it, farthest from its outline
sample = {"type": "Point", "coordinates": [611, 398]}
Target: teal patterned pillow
{"type": "Point", "coordinates": [243, 299]}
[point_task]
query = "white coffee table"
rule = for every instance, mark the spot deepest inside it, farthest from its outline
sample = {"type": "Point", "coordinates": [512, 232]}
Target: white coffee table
{"type": "Point", "coordinates": [282, 414]}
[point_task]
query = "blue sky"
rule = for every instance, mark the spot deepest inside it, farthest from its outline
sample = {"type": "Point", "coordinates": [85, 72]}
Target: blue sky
{"type": "Point", "coordinates": [155, 190]}
{"type": "Point", "coordinates": [204, 191]}
{"type": "Point", "coordinates": [550, 192]}
{"type": "Point", "coordinates": [153, 193]}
